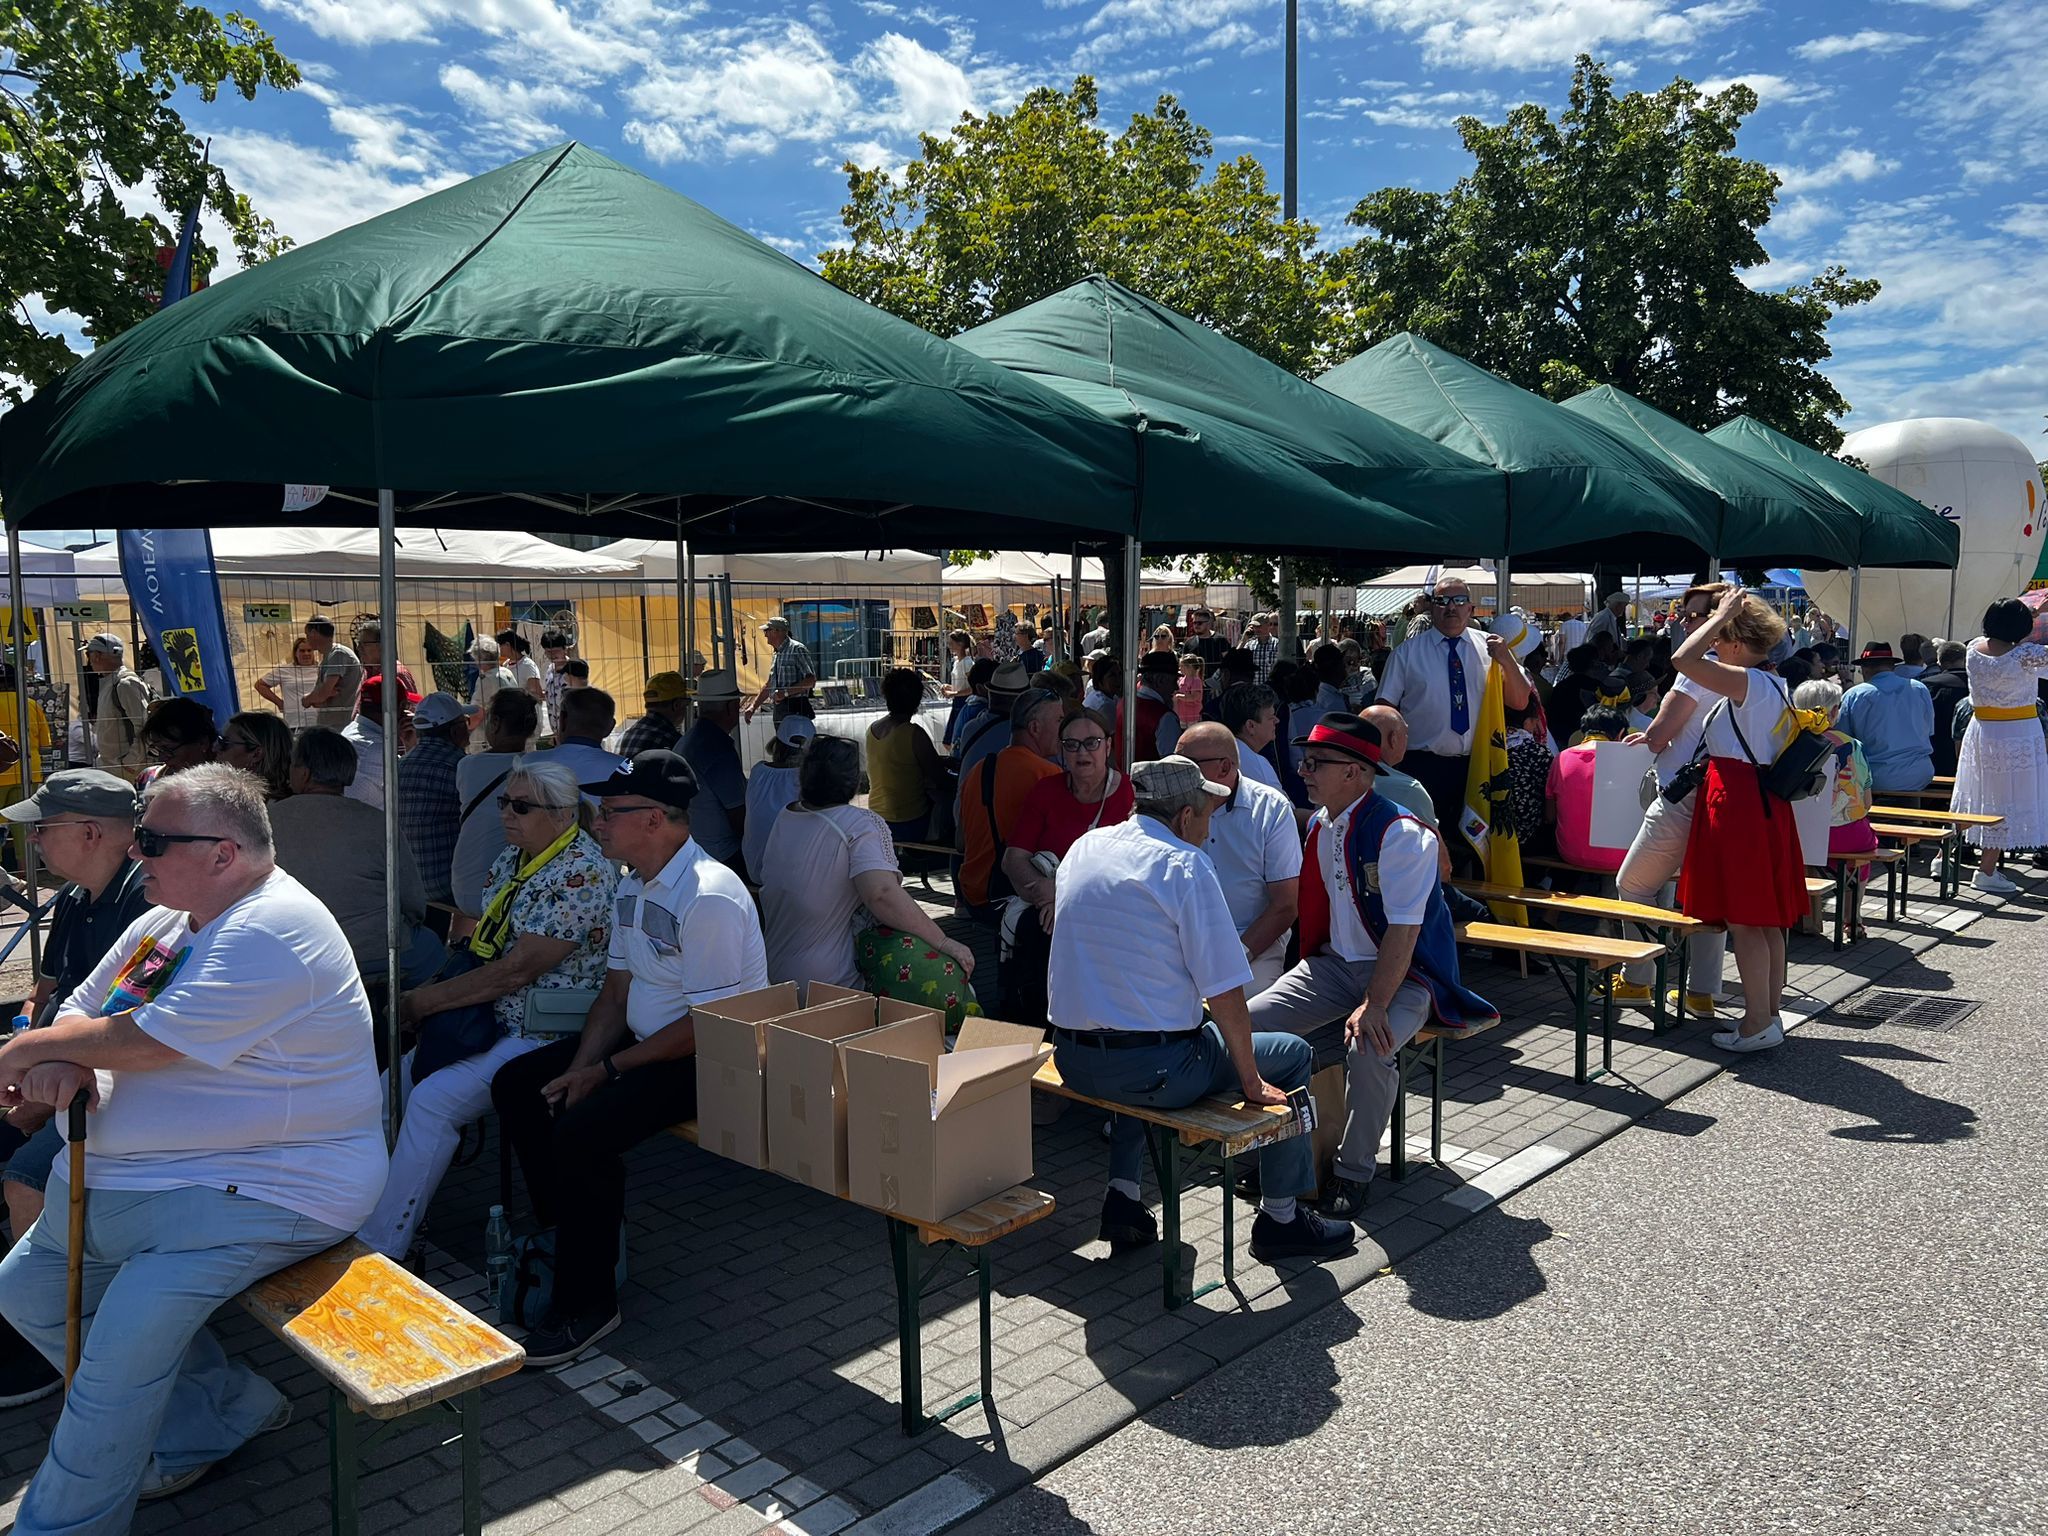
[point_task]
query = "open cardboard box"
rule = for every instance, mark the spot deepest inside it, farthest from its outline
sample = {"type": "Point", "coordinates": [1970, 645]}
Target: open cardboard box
{"type": "Point", "coordinates": [929, 1131]}
{"type": "Point", "coordinates": [732, 1115]}
{"type": "Point", "coordinates": [806, 1060]}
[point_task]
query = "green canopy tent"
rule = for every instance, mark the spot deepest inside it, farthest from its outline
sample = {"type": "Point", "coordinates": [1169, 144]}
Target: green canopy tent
{"type": "Point", "coordinates": [1768, 517]}
{"type": "Point", "coordinates": [1130, 358]}
{"type": "Point", "coordinates": [1893, 528]}
{"type": "Point", "coordinates": [1575, 490]}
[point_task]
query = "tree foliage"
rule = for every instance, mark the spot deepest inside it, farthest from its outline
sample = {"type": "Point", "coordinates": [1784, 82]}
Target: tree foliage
{"type": "Point", "coordinates": [88, 122]}
{"type": "Point", "coordinates": [1607, 246]}
{"type": "Point", "coordinates": [1012, 206]}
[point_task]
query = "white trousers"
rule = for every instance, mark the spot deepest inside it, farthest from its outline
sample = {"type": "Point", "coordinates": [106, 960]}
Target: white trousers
{"type": "Point", "coordinates": [435, 1114]}
{"type": "Point", "coordinates": [1647, 876]}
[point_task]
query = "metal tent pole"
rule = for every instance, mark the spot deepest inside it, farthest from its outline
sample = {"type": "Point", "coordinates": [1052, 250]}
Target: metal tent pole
{"type": "Point", "coordinates": [387, 607]}
{"type": "Point", "coordinates": [1128, 643]}
{"type": "Point", "coordinates": [24, 739]}
{"type": "Point", "coordinates": [686, 618]}
{"type": "Point", "coordinates": [1855, 602]}
{"type": "Point", "coordinates": [1329, 619]}
{"type": "Point", "coordinates": [1503, 589]}
{"type": "Point", "coordinates": [1077, 610]}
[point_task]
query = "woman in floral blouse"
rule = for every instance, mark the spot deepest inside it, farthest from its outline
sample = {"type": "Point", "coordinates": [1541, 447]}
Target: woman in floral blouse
{"type": "Point", "coordinates": [546, 925]}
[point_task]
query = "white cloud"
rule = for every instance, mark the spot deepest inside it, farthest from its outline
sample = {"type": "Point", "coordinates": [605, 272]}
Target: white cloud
{"type": "Point", "coordinates": [1869, 40]}
{"type": "Point", "coordinates": [1229, 25]}
{"type": "Point", "coordinates": [597, 40]}
{"type": "Point", "coordinates": [1771, 90]}
{"type": "Point", "coordinates": [1411, 109]}
{"type": "Point", "coordinates": [741, 96]}
{"type": "Point", "coordinates": [924, 91]}
{"type": "Point", "coordinates": [1850, 165]}
{"type": "Point", "coordinates": [1800, 217]}
{"type": "Point", "coordinates": [1521, 35]}
{"type": "Point", "coordinates": [1984, 91]}
{"type": "Point", "coordinates": [310, 192]}
{"type": "Point", "coordinates": [509, 114]}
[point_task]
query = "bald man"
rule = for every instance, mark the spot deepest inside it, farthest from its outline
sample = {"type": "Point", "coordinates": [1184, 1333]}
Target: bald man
{"type": "Point", "coordinates": [1255, 845]}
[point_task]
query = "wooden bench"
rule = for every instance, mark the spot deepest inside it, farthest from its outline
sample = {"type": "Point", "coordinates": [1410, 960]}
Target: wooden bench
{"type": "Point", "coordinates": [1673, 928]}
{"type": "Point", "coordinates": [1954, 822]}
{"type": "Point", "coordinates": [1588, 954]}
{"type": "Point", "coordinates": [390, 1346]}
{"type": "Point", "coordinates": [1907, 838]}
{"type": "Point", "coordinates": [1845, 866]}
{"type": "Point", "coordinates": [1179, 1141]}
{"type": "Point", "coordinates": [968, 1232]}
{"type": "Point", "coordinates": [939, 856]}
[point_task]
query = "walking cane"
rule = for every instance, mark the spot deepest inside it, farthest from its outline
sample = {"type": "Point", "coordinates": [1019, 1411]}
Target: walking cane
{"type": "Point", "coordinates": [74, 1268]}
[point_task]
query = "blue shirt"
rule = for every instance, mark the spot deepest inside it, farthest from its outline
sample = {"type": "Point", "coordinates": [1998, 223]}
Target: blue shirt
{"type": "Point", "coordinates": [1893, 717]}
{"type": "Point", "coordinates": [721, 789]}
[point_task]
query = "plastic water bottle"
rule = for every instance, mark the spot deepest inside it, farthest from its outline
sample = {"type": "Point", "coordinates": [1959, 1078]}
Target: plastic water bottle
{"type": "Point", "coordinates": [20, 1024]}
{"type": "Point", "coordinates": [497, 1249]}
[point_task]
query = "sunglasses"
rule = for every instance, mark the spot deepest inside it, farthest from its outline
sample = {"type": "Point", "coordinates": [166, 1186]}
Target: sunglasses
{"type": "Point", "coordinates": [1318, 764]}
{"type": "Point", "coordinates": [233, 744]}
{"type": "Point", "coordinates": [1449, 602]}
{"type": "Point", "coordinates": [152, 844]}
{"type": "Point", "coordinates": [521, 807]}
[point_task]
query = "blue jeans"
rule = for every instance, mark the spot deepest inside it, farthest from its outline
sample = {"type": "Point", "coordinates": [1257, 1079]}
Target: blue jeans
{"type": "Point", "coordinates": [151, 1378]}
{"type": "Point", "coordinates": [1176, 1073]}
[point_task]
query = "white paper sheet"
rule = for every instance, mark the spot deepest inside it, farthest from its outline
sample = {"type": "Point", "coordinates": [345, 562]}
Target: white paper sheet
{"type": "Point", "coordinates": [1618, 770]}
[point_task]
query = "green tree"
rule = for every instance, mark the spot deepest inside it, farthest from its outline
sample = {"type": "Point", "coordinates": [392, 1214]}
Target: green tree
{"type": "Point", "coordinates": [1607, 246]}
{"type": "Point", "coordinates": [86, 116]}
{"type": "Point", "coordinates": [1012, 206]}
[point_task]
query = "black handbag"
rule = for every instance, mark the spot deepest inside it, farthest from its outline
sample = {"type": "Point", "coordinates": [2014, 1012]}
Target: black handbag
{"type": "Point", "coordinates": [454, 1034]}
{"type": "Point", "coordinates": [1800, 771]}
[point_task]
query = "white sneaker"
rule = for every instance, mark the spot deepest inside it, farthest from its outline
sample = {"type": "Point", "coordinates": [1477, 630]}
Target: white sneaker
{"type": "Point", "coordinates": [1993, 884]}
{"type": "Point", "coordinates": [1735, 1040]}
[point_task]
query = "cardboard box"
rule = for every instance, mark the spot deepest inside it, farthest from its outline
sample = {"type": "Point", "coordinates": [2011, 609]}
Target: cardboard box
{"type": "Point", "coordinates": [929, 1131]}
{"type": "Point", "coordinates": [888, 1010]}
{"type": "Point", "coordinates": [732, 1083]}
{"type": "Point", "coordinates": [807, 1088]}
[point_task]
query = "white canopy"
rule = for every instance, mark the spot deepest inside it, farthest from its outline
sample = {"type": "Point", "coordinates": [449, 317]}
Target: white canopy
{"type": "Point", "coordinates": [1532, 589]}
{"type": "Point", "coordinates": [1015, 569]}
{"type": "Point", "coordinates": [849, 568]}
{"type": "Point", "coordinates": [446, 554]}
{"type": "Point", "coordinates": [49, 576]}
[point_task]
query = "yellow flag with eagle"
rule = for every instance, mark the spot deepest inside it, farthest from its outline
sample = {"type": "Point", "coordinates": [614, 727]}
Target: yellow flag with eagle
{"type": "Point", "coordinates": [1488, 821]}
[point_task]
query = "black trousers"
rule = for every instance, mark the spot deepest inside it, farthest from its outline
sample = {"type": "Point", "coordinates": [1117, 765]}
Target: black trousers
{"type": "Point", "coordinates": [574, 1164]}
{"type": "Point", "coordinates": [1444, 778]}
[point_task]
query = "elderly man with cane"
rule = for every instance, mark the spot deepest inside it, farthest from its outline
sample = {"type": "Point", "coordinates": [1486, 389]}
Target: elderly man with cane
{"type": "Point", "coordinates": [224, 1042]}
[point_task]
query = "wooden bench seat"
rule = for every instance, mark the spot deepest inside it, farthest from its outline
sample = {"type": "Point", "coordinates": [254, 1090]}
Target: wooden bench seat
{"type": "Point", "coordinates": [971, 1232]}
{"type": "Point", "coordinates": [1845, 866]}
{"type": "Point", "coordinates": [1589, 955]}
{"type": "Point", "coordinates": [1909, 836]}
{"type": "Point", "coordinates": [389, 1345]}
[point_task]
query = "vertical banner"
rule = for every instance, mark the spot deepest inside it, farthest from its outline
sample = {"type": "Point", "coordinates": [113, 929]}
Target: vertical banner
{"type": "Point", "coordinates": [170, 580]}
{"type": "Point", "coordinates": [1487, 823]}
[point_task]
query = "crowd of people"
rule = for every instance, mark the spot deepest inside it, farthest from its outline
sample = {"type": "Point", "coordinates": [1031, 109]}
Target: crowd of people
{"type": "Point", "coordinates": [1265, 887]}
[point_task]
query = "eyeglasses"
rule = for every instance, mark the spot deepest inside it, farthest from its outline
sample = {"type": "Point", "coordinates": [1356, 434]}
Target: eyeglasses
{"type": "Point", "coordinates": [1448, 600]}
{"type": "Point", "coordinates": [1318, 764]}
{"type": "Point", "coordinates": [152, 844]}
{"type": "Point", "coordinates": [522, 807]}
{"type": "Point", "coordinates": [1081, 743]}
{"type": "Point", "coordinates": [233, 744]}
{"type": "Point", "coordinates": [608, 811]}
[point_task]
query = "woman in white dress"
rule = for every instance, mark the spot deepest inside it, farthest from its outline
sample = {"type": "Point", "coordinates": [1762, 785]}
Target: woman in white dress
{"type": "Point", "coordinates": [2002, 769]}
{"type": "Point", "coordinates": [287, 686]}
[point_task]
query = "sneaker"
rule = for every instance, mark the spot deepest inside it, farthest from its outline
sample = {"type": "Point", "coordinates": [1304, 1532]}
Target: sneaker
{"type": "Point", "coordinates": [1770, 1035]}
{"type": "Point", "coordinates": [159, 1484]}
{"type": "Point", "coordinates": [1630, 992]}
{"type": "Point", "coordinates": [1126, 1224]}
{"type": "Point", "coordinates": [25, 1376]}
{"type": "Point", "coordinates": [1699, 1004]}
{"type": "Point", "coordinates": [1993, 884]}
{"type": "Point", "coordinates": [1346, 1199]}
{"type": "Point", "coordinates": [1308, 1236]}
{"type": "Point", "coordinates": [557, 1342]}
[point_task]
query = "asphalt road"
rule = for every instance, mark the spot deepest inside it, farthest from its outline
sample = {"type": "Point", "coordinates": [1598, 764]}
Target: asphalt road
{"type": "Point", "coordinates": [1811, 1297]}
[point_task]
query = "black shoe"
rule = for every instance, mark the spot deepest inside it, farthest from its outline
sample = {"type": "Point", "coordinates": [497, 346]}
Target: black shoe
{"type": "Point", "coordinates": [1308, 1236]}
{"type": "Point", "coordinates": [25, 1376]}
{"type": "Point", "coordinates": [556, 1342]}
{"type": "Point", "coordinates": [1126, 1224]}
{"type": "Point", "coordinates": [1346, 1199]}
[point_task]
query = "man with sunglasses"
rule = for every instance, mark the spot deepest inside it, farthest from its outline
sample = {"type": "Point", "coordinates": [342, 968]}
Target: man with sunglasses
{"type": "Point", "coordinates": [82, 821]}
{"type": "Point", "coordinates": [685, 932]}
{"type": "Point", "coordinates": [1378, 958]}
{"type": "Point", "coordinates": [1437, 679]}
{"type": "Point", "coordinates": [224, 1043]}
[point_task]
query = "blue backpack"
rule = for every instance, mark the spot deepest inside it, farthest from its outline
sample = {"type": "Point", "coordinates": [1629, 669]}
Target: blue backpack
{"type": "Point", "coordinates": [528, 1286]}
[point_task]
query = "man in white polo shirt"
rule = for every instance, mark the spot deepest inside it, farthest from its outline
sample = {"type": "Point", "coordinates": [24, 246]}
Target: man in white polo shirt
{"type": "Point", "coordinates": [1141, 937]}
{"type": "Point", "coordinates": [224, 1045]}
{"type": "Point", "coordinates": [1256, 848]}
{"type": "Point", "coordinates": [684, 932]}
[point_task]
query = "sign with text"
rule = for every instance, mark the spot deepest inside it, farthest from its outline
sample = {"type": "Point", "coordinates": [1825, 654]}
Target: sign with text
{"type": "Point", "coordinates": [81, 613]}
{"type": "Point", "coordinates": [266, 613]}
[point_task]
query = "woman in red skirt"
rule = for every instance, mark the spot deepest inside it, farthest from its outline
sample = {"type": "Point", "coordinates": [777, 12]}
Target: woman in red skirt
{"type": "Point", "coordinates": [1742, 864]}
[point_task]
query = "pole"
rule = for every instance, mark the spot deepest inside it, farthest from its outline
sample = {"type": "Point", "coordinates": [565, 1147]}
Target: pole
{"type": "Point", "coordinates": [1855, 601]}
{"type": "Point", "coordinates": [686, 618]}
{"type": "Point", "coordinates": [74, 1261]}
{"type": "Point", "coordinates": [24, 738]}
{"type": "Point", "coordinates": [1503, 589]}
{"type": "Point", "coordinates": [1077, 615]}
{"type": "Point", "coordinates": [1329, 619]}
{"type": "Point", "coordinates": [1290, 620]}
{"type": "Point", "coordinates": [1127, 645]}
{"type": "Point", "coordinates": [394, 919]}
{"type": "Point", "coordinates": [1288, 180]}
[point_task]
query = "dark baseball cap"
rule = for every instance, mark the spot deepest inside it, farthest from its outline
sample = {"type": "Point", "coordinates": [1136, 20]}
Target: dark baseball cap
{"type": "Point", "coordinates": [77, 792]}
{"type": "Point", "coordinates": [657, 775]}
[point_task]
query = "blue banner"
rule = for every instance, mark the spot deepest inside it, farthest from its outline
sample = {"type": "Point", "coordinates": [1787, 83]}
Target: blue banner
{"type": "Point", "coordinates": [170, 579]}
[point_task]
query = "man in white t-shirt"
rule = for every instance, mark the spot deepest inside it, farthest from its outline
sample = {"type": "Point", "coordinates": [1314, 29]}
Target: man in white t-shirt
{"type": "Point", "coordinates": [224, 1043]}
{"type": "Point", "coordinates": [684, 932]}
{"type": "Point", "coordinates": [1650, 869]}
{"type": "Point", "coordinates": [1255, 844]}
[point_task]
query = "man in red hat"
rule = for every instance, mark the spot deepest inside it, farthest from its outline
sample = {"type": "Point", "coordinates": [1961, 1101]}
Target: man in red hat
{"type": "Point", "coordinates": [1378, 957]}
{"type": "Point", "coordinates": [366, 734]}
{"type": "Point", "coordinates": [1893, 716]}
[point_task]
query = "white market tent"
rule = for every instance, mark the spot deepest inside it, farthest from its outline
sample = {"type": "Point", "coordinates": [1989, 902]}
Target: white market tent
{"type": "Point", "coordinates": [837, 568]}
{"type": "Point", "coordinates": [446, 554]}
{"type": "Point", "coordinates": [1544, 591]}
{"type": "Point", "coordinates": [49, 573]}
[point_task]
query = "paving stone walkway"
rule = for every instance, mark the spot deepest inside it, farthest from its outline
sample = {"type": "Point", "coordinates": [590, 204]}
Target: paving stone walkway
{"type": "Point", "coordinates": [754, 1384]}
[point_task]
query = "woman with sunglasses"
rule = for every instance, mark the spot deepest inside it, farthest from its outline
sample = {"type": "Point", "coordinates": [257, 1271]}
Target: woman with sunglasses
{"type": "Point", "coordinates": [1056, 811]}
{"type": "Point", "coordinates": [546, 925]}
{"type": "Point", "coordinates": [177, 735]}
{"type": "Point", "coordinates": [260, 743]}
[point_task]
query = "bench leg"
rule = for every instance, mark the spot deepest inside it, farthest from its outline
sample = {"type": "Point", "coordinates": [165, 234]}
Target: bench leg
{"type": "Point", "coordinates": [1657, 1021]}
{"type": "Point", "coordinates": [1166, 1164]}
{"type": "Point", "coordinates": [903, 1257]}
{"type": "Point", "coordinates": [1607, 1023]}
{"type": "Point", "coordinates": [1436, 1101]}
{"type": "Point", "coordinates": [472, 1464]}
{"type": "Point", "coordinates": [1230, 1220]}
{"type": "Point", "coordinates": [1843, 877]}
{"type": "Point", "coordinates": [1891, 893]}
{"type": "Point", "coordinates": [343, 1464]}
{"type": "Point", "coordinates": [988, 1348]}
{"type": "Point", "coordinates": [1580, 1021]}
{"type": "Point", "coordinates": [1397, 1157]}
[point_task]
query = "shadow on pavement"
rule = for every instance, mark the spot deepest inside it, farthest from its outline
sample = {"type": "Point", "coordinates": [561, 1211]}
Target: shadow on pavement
{"type": "Point", "coordinates": [1490, 1271]}
{"type": "Point", "coordinates": [1822, 1070]}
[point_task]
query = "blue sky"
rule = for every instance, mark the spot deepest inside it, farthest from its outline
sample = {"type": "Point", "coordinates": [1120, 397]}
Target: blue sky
{"type": "Point", "coordinates": [1912, 134]}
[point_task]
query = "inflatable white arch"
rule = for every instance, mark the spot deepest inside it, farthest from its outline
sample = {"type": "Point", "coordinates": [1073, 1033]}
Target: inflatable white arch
{"type": "Point", "coordinates": [1971, 473]}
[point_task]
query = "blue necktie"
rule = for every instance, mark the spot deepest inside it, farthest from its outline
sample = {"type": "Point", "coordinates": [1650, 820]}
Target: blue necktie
{"type": "Point", "coordinates": [1461, 709]}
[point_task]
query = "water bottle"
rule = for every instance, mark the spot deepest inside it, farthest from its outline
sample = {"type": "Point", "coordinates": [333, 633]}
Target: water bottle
{"type": "Point", "coordinates": [19, 1026]}
{"type": "Point", "coordinates": [497, 1250]}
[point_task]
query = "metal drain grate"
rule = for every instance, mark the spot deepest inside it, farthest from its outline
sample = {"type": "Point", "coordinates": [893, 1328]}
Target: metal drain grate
{"type": "Point", "coordinates": [1910, 1010]}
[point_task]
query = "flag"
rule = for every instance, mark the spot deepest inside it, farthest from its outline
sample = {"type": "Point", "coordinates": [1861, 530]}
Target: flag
{"type": "Point", "coordinates": [1488, 821]}
{"type": "Point", "coordinates": [170, 579]}
{"type": "Point", "coordinates": [178, 280]}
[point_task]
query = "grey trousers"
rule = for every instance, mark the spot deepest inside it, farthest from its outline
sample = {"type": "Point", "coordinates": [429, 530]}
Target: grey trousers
{"type": "Point", "coordinates": [1313, 1000]}
{"type": "Point", "coordinates": [1646, 877]}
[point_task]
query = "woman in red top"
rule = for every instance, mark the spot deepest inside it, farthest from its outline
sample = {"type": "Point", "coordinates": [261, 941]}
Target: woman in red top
{"type": "Point", "coordinates": [1055, 813]}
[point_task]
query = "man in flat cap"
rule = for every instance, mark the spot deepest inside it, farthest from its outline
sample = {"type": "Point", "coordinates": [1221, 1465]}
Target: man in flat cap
{"type": "Point", "coordinates": [684, 932]}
